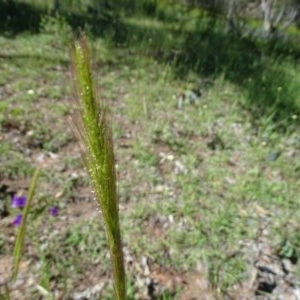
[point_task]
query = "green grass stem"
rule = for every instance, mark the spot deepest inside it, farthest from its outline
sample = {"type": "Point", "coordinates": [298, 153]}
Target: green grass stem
{"type": "Point", "coordinates": [6, 292]}
{"type": "Point", "coordinates": [22, 229]}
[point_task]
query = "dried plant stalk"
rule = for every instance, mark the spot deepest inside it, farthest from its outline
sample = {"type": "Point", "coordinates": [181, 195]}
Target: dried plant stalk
{"type": "Point", "coordinates": [93, 126]}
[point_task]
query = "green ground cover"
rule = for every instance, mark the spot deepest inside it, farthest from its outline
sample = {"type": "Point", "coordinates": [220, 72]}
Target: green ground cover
{"type": "Point", "coordinates": [206, 133]}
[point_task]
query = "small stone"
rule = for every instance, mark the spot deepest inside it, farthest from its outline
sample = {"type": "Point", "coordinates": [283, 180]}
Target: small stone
{"type": "Point", "coordinates": [30, 133]}
{"type": "Point", "coordinates": [287, 265]}
{"type": "Point", "coordinates": [171, 219]}
{"type": "Point", "coordinates": [170, 157]}
{"type": "Point", "coordinates": [297, 293]}
{"type": "Point", "coordinates": [179, 167]}
{"type": "Point", "coordinates": [40, 158]}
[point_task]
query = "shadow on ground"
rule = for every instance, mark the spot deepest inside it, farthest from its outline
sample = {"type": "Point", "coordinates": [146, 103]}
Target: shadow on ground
{"type": "Point", "coordinates": [261, 69]}
{"type": "Point", "coordinates": [255, 66]}
{"type": "Point", "coordinates": [19, 17]}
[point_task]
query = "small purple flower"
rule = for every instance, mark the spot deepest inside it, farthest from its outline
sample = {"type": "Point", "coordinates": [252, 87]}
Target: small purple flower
{"type": "Point", "coordinates": [18, 201]}
{"type": "Point", "coordinates": [53, 211]}
{"type": "Point", "coordinates": [17, 221]}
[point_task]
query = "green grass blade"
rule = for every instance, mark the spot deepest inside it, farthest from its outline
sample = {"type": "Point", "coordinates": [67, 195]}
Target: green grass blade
{"type": "Point", "coordinates": [6, 291]}
{"type": "Point", "coordinates": [21, 233]}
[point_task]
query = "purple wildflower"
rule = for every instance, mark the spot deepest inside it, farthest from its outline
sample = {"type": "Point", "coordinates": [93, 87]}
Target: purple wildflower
{"type": "Point", "coordinates": [53, 211]}
{"type": "Point", "coordinates": [17, 221]}
{"type": "Point", "coordinates": [18, 201]}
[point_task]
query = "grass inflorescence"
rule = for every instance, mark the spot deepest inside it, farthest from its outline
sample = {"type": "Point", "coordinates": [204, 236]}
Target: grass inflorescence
{"type": "Point", "coordinates": [94, 128]}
